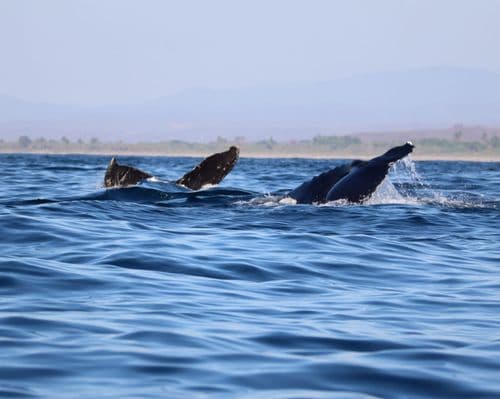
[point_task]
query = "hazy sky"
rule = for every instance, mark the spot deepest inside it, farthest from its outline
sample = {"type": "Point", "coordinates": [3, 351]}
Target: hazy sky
{"type": "Point", "coordinates": [118, 51]}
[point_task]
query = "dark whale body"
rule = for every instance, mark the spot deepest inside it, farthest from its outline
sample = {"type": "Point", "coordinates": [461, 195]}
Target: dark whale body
{"type": "Point", "coordinates": [210, 171]}
{"type": "Point", "coordinates": [316, 189]}
{"type": "Point", "coordinates": [121, 175]}
{"type": "Point", "coordinates": [354, 182]}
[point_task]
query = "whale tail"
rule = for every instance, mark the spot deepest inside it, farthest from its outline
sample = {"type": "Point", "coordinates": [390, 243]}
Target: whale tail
{"type": "Point", "coordinates": [211, 170]}
{"type": "Point", "coordinates": [121, 175]}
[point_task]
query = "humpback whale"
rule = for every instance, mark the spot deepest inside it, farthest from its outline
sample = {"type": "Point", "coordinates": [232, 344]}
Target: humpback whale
{"type": "Point", "coordinates": [354, 182]}
{"type": "Point", "coordinates": [210, 171]}
{"type": "Point", "coordinates": [121, 175]}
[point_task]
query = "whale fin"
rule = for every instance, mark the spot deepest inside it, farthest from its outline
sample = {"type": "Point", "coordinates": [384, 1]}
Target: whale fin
{"type": "Point", "coordinates": [394, 154]}
{"type": "Point", "coordinates": [211, 170]}
{"type": "Point", "coordinates": [121, 175]}
{"type": "Point", "coordinates": [364, 178]}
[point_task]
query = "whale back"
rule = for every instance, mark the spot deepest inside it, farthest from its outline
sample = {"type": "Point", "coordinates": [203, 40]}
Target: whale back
{"type": "Point", "coordinates": [121, 175]}
{"type": "Point", "coordinates": [316, 189]}
{"type": "Point", "coordinates": [211, 170]}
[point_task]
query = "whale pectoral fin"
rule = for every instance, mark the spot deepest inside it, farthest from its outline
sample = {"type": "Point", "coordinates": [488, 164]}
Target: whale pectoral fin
{"type": "Point", "coordinates": [211, 170]}
{"type": "Point", "coordinates": [121, 175]}
{"type": "Point", "coordinates": [316, 189]}
{"type": "Point", "coordinates": [365, 177]}
{"type": "Point", "coordinates": [395, 153]}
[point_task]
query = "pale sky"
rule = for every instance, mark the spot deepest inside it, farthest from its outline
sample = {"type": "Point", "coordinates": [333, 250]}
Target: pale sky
{"type": "Point", "coordinates": [121, 51]}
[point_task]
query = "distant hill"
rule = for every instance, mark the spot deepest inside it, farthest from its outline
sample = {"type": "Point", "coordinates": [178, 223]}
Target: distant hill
{"type": "Point", "coordinates": [410, 99]}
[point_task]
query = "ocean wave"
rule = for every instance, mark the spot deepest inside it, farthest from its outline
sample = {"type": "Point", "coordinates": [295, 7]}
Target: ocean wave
{"type": "Point", "coordinates": [236, 291]}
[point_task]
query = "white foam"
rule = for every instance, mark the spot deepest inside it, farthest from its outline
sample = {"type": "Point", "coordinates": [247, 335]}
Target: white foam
{"type": "Point", "coordinates": [287, 201]}
{"type": "Point", "coordinates": [336, 203]}
{"type": "Point", "coordinates": [268, 200]}
{"type": "Point", "coordinates": [207, 186]}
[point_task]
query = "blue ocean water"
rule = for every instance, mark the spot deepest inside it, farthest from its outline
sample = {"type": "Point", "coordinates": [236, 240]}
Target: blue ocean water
{"type": "Point", "coordinates": [156, 292]}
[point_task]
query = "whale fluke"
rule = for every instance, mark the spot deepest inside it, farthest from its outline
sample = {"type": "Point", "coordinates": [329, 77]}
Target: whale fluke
{"type": "Point", "coordinates": [211, 170]}
{"type": "Point", "coordinates": [122, 175]}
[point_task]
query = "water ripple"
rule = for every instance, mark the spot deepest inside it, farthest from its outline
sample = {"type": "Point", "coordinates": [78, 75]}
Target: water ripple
{"type": "Point", "coordinates": [234, 291]}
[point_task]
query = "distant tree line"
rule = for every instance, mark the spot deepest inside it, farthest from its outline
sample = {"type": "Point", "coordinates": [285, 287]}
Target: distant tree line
{"type": "Point", "coordinates": [40, 143]}
{"type": "Point", "coordinates": [317, 146]}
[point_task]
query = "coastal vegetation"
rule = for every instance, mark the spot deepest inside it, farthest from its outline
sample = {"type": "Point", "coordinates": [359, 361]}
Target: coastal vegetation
{"type": "Point", "coordinates": [458, 142]}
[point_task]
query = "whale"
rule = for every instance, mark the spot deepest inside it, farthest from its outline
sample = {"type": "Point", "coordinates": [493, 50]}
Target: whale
{"type": "Point", "coordinates": [122, 175]}
{"type": "Point", "coordinates": [353, 182]}
{"type": "Point", "coordinates": [211, 171]}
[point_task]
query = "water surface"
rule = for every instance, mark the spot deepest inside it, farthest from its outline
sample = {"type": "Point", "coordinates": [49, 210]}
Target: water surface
{"type": "Point", "coordinates": [156, 292]}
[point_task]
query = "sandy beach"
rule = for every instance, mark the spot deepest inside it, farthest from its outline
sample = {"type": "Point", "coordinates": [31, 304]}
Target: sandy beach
{"type": "Point", "coordinates": [488, 157]}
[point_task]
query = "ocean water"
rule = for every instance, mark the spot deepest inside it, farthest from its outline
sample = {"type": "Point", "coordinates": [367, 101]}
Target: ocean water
{"type": "Point", "coordinates": [156, 292]}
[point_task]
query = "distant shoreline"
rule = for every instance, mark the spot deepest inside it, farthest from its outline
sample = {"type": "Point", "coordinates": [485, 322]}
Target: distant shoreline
{"type": "Point", "coordinates": [457, 143]}
{"type": "Point", "coordinates": [199, 154]}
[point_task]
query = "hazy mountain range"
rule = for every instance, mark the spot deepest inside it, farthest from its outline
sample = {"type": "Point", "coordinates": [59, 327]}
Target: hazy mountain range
{"type": "Point", "coordinates": [411, 99]}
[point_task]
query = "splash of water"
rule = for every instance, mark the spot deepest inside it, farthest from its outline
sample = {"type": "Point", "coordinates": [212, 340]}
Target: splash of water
{"type": "Point", "coordinates": [403, 185]}
{"type": "Point", "coordinates": [415, 190]}
{"type": "Point", "coordinates": [404, 174]}
{"type": "Point", "coordinates": [387, 193]}
{"type": "Point", "coordinates": [407, 167]}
